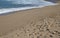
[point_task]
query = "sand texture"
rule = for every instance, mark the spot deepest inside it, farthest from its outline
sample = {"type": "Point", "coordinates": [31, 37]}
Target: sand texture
{"type": "Point", "coordinates": [35, 23]}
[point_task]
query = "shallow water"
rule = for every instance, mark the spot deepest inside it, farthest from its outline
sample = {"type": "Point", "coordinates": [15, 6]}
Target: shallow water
{"type": "Point", "coordinates": [7, 6]}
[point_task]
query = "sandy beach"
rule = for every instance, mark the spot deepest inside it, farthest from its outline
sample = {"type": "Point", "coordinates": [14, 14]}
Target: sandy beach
{"type": "Point", "coordinates": [33, 23]}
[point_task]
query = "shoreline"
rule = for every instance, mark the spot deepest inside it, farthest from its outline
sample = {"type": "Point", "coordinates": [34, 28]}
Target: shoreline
{"type": "Point", "coordinates": [8, 10]}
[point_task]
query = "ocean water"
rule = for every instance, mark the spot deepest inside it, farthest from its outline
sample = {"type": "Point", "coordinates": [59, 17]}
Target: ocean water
{"type": "Point", "coordinates": [7, 6]}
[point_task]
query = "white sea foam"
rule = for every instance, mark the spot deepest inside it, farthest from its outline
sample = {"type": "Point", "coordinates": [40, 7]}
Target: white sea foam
{"type": "Point", "coordinates": [8, 10]}
{"type": "Point", "coordinates": [25, 1]}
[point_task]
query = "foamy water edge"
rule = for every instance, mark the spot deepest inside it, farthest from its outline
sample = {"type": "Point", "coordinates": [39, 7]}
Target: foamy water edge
{"type": "Point", "coordinates": [8, 10]}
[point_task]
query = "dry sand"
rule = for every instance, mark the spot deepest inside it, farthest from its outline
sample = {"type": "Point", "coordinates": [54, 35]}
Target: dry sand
{"type": "Point", "coordinates": [33, 23]}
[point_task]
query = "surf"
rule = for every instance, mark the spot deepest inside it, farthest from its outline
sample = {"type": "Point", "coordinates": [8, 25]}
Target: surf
{"type": "Point", "coordinates": [7, 6]}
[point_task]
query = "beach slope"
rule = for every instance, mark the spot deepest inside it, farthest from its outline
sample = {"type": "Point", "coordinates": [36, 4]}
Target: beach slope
{"type": "Point", "coordinates": [32, 23]}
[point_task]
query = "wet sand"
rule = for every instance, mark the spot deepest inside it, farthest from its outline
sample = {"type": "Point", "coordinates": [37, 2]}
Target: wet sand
{"type": "Point", "coordinates": [34, 23]}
